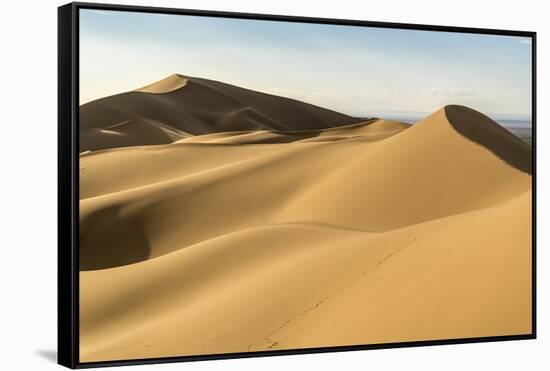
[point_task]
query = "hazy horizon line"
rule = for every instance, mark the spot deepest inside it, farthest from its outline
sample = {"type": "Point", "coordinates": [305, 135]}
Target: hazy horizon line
{"type": "Point", "coordinates": [385, 113]}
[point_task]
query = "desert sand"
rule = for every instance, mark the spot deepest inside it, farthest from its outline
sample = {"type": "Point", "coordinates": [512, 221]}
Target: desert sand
{"type": "Point", "coordinates": [216, 219]}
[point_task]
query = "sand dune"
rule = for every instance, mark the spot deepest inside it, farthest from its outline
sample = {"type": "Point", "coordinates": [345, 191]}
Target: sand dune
{"type": "Point", "coordinates": [260, 238]}
{"type": "Point", "coordinates": [197, 106]}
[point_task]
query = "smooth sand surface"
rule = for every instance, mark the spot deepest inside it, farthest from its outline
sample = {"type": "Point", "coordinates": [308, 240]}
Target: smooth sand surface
{"type": "Point", "coordinates": [250, 240]}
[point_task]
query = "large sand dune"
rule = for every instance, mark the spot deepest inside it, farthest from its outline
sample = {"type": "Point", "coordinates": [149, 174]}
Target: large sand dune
{"type": "Point", "coordinates": [252, 237]}
{"type": "Point", "coordinates": [196, 106]}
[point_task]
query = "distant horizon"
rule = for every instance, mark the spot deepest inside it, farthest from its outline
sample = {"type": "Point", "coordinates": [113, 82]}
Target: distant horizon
{"type": "Point", "coordinates": [393, 114]}
{"type": "Point", "coordinates": [415, 115]}
{"type": "Point", "coordinates": [353, 70]}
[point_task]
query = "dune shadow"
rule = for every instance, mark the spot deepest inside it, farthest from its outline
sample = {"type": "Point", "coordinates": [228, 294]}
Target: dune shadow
{"type": "Point", "coordinates": [482, 130]}
{"type": "Point", "coordinates": [50, 355]}
{"type": "Point", "coordinates": [109, 240]}
{"type": "Point", "coordinates": [198, 107]}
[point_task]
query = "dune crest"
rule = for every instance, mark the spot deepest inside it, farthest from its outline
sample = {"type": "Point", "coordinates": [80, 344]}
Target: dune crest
{"type": "Point", "coordinates": [355, 231]}
{"type": "Point", "coordinates": [166, 85]}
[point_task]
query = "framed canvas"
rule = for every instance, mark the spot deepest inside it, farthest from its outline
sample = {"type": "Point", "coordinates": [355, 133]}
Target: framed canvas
{"type": "Point", "coordinates": [238, 185]}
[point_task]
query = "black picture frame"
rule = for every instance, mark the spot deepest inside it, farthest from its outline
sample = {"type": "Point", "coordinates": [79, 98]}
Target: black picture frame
{"type": "Point", "coordinates": [68, 181]}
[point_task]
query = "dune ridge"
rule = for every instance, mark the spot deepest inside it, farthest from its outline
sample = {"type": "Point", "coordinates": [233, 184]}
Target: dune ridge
{"type": "Point", "coordinates": [198, 106]}
{"type": "Point", "coordinates": [166, 85]}
{"type": "Point", "coordinates": [254, 239]}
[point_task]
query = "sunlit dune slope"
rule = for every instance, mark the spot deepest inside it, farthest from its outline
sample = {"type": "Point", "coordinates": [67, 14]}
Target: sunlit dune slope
{"type": "Point", "coordinates": [166, 85]}
{"type": "Point", "coordinates": [253, 240]}
{"type": "Point", "coordinates": [307, 285]}
{"type": "Point", "coordinates": [375, 185]}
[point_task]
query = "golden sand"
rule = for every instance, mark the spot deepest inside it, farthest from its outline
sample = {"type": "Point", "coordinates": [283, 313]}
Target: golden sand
{"type": "Point", "coordinates": [262, 238]}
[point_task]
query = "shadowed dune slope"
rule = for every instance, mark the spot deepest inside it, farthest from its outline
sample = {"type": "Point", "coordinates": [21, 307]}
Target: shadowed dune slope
{"type": "Point", "coordinates": [199, 106]}
{"type": "Point", "coordinates": [370, 232]}
{"type": "Point", "coordinates": [481, 129]}
{"type": "Point", "coordinates": [128, 133]}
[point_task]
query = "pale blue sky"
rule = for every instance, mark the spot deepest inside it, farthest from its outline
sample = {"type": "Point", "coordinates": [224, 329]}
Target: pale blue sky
{"type": "Point", "coordinates": [356, 70]}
